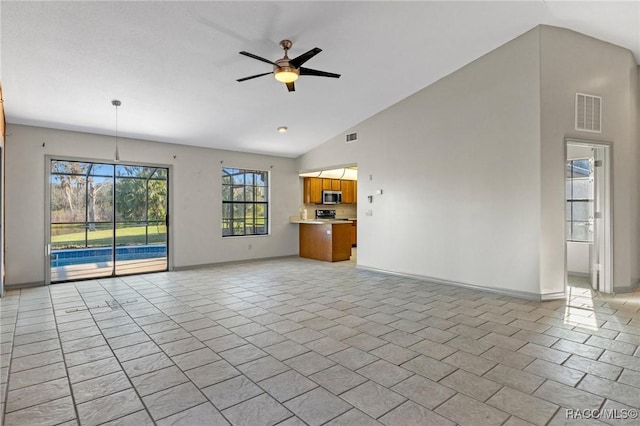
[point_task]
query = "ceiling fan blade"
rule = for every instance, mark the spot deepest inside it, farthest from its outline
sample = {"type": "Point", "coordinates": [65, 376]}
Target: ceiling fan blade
{"type": "Point", "coordinates": [251, 55]}
{"type": "Point", "coordinates": [291, 87]}
{"type": "Point", "coordinates": [254, 76]}
{"type": "Point", "coordinates": [309, 71]}
{"type": "Point", "coordinates": [297, 61]}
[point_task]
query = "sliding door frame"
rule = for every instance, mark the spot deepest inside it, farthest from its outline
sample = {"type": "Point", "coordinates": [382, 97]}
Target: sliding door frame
{"type": "Point", "coordinates": [47, 204]}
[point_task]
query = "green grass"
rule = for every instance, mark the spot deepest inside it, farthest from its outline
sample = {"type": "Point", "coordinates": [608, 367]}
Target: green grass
{"type": "Point", "coordinates": [133, 235]}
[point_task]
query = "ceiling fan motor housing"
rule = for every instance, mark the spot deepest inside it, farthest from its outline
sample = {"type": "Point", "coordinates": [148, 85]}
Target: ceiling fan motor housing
{"type": "Point", "coordinates": [284, 65]}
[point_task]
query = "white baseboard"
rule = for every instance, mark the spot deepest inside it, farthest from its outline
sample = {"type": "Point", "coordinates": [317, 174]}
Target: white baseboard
{"type": "Point", "coordinates": [578, 274]}
{"type": "Point", "coordinates": [232, 262]}
{"type": "Point", "coordinates": [505, 292]}
{"type": "Point", "coordinates": [553, 296]}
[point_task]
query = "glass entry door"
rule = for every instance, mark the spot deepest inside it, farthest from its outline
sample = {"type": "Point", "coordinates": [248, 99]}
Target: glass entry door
{"type": "Point", "coordinates": [106, 220]}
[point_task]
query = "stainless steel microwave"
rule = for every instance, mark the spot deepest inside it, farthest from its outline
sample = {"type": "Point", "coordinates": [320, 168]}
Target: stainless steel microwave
{"type": "Point", "coordinates": [331, 197]}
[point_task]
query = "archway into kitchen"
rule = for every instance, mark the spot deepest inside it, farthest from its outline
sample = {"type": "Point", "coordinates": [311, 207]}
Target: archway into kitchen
{"type": "Point", "coordinates": [332, 193]}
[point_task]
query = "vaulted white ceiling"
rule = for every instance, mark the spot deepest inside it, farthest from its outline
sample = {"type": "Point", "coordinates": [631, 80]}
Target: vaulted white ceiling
{"type": "Point", "coordinates": [174, 65]}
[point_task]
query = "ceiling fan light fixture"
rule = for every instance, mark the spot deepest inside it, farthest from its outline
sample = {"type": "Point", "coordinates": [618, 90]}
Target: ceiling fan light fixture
{"type": "Point", "coordinates": [286, 74]}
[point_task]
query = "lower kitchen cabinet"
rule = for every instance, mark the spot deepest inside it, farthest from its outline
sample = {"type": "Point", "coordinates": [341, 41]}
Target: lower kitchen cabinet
{"type": "Point", "coordinates": [354, 233]}
{"type": "Point", "coordinates": [329, 242]}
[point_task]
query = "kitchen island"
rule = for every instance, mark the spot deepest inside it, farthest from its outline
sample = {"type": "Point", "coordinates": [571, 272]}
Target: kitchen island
{"type": "Point", "coordinates": [325, 239]}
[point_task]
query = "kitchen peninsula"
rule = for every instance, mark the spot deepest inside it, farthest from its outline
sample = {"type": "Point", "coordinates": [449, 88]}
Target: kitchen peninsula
{"type": "Point", "coordinates": [325, 239]}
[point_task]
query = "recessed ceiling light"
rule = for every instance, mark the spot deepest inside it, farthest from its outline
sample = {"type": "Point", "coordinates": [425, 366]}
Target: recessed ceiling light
{"type": "Point", "coordinates": [283, 129]}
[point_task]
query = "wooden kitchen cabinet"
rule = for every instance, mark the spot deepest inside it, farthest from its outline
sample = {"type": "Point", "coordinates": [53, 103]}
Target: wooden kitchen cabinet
{"type": "Point", "coordinates": [328, 241]}
{"type": "Point", "coordinates": [348, 191]}
{"type": "Point", "coordinates": [354, 233]}
{"type": "Point", "coordinates": [354, 193]}
{"type": "Point", "coordinates": [313, 187]}
{"type": "Point", "coordinates": [331, 184]}
{"type": "Point", "coordinates": [312, 192]}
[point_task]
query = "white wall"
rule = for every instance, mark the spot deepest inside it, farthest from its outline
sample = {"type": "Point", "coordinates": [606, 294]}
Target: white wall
{"type": "Point", "coordinates": [2, 254]}
{"type": "Point", "coordinates": [578, 255]}
{"type": "Point", "coordinates": [570, 63]}
{"type": "Point", "coordinates": [195, 197]}
{"type": "Point", "coordinates": [635, 197]}
{"type": "Point", "coordinates": [458, 163]}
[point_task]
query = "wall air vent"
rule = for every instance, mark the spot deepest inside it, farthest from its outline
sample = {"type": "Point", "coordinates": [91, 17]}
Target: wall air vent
{"type": "Point", "coordinates": [351, 137]}
{"type": "Point", "coordinates": [588, 113]}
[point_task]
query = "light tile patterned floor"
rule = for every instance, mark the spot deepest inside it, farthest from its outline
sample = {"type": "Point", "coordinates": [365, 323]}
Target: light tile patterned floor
{"type": "Point", "coordinates": [296, 342]}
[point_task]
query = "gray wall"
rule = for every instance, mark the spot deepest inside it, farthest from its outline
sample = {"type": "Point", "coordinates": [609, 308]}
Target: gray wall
{"type": "Point", "coordinates": [635, 114]}
{"type": "Point", "coordinates": [195, 196]}
{"type": "Point", "coordinates": [472, 167]}
{"type": "Point", "coordinates": [2, 198]}
{"type": "Point", "coordinates": [570, 63]}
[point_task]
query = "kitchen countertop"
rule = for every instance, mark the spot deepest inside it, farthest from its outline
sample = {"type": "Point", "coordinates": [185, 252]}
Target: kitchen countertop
{"type": "Point", "coordinates": [320, 221]}
{"type": "Point", "coordinates": [296, 219]}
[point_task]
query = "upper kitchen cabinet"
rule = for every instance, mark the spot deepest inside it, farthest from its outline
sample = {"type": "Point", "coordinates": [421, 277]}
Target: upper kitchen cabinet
{"type": "Point", "coordinates": [330, 184]}
{"type": "Point", "coordinates": [342, 179]}
{"type": "Point", "coordinates": [348, 188]}
{"type": "Point", "coordinates": [313, 187]}
{"type": "Point", "coordinates": [312, 193]}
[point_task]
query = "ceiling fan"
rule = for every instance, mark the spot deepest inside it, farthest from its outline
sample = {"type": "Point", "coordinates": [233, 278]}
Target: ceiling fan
{"type": "Point", "coordinates": [287, 70]}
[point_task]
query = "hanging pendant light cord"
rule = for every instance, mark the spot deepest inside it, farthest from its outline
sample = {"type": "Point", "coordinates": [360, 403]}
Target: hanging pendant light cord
{"type": "Point", "coordinates": [116, 103]}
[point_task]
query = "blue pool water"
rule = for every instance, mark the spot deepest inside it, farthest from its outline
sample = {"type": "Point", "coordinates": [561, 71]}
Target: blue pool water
{"type": "Point", "coordinates": [101, 255]}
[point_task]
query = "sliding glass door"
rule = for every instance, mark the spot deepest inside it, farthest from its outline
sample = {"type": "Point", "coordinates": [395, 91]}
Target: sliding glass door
{"type": "Point", "coordinates": [106, 219]}
{"type": "Point", "coordinates": [141, 215]}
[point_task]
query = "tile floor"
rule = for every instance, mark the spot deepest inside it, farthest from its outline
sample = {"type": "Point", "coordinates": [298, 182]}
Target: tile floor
{"type": "Point", "coordinates": [296, 342]}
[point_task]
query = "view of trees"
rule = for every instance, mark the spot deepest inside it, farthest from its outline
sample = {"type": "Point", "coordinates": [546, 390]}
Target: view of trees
{"type": "Point", "coordinates": [82, 197]}
{"type": "Point", "coordinates": [79, 197]}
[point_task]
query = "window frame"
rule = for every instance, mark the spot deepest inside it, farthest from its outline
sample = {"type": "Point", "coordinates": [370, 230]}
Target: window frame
{"type": "Point", "coordinates": [259, 224]}
{"type": "Point", "coordinates": [570, 200]}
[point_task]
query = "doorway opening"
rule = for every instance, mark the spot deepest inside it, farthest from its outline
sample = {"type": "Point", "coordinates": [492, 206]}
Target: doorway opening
{"type": "Point", "coordinates": [342, 180]}
{"type": "Point", "coordinates": [588, 216]}
{"type": "Point", "coordinates": [105, 220]}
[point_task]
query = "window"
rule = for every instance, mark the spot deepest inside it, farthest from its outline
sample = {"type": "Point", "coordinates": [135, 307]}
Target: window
{"type": "Point", "coordinates": [579, 200]}
{"type": "Point", "coordinates": [245, 202]}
